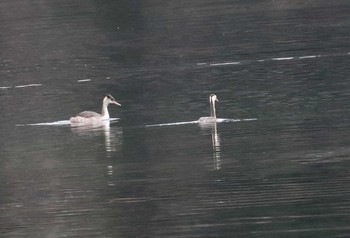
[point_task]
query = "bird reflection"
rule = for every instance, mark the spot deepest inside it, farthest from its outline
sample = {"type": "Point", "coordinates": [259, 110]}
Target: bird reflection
{"type": "Point", "coordinates": [215, 139]}
{"type": "Point", "coordinates": [113, 140]}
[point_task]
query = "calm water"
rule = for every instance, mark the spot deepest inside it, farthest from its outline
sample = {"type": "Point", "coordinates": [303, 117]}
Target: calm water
{"type": "Point", "coordinates": [283, 63]}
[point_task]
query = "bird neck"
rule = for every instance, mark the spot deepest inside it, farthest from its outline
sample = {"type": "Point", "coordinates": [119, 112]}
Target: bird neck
{"type": "Point", "coordinates": [212, 109]}
{"type": "Point", "coordinates": [105, 113]}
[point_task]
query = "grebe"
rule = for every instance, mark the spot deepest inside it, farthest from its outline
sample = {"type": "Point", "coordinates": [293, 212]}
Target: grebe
{"type": "Point", "coordinates": [89, 116]}
{"type": "Point", "coordinates": [212, 118]}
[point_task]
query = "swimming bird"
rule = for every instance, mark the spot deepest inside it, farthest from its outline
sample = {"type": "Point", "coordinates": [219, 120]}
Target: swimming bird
{"type": "Point", "coordinates": [90, 117]}
{"type": "Point", "coordinates": [212, 118]}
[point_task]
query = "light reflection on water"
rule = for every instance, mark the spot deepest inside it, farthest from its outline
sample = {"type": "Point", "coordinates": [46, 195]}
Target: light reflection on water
{"type": "Point", "coordinates": [113, 141]}
{"type": "Point", "coordinates": [215, 140]}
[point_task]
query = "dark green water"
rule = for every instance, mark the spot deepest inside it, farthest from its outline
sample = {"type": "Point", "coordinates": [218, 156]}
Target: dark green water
{"type": "Point", "coordinates": [283, 63]}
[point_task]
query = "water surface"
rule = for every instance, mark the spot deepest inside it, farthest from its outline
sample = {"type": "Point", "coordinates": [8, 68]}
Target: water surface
{"type": "Point", "coordinates": [279, 167]}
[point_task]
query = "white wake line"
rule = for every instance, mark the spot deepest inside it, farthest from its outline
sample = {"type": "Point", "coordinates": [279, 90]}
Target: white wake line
{"type": "Point", "coordinates": [83, 80]}
{"type": "Point", "coordinates": [173, 123]}
{"type": "Point", "coordinates": [269, 59]}
{"type": "Point", "coordinates": [57, 123]}
{"type": "Point", "coordinates": [283, 58]}
{"type": "Point", "coordinates": [227, 63]}
{"type": "Point", "coordinates": [218, 120]}
{"type": "Point", "coordinates": [29, 85]}
{"type": "Point", "coordinates": [23, 86]}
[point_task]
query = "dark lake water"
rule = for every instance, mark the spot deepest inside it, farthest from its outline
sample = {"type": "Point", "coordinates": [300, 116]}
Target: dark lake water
{"type": "Point", "coordinates": [279, 168]}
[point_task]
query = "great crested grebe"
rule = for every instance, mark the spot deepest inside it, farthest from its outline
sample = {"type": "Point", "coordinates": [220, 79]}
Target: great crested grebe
{"type": "Point", "coordinates": [212, 118]}
{"type": "Point", "coordinates": [89, 116]}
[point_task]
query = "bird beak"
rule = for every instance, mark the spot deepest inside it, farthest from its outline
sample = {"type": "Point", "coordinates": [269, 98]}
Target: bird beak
{"type": "Point", "coordinates": [115, 102]}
